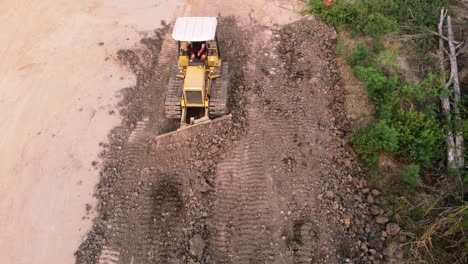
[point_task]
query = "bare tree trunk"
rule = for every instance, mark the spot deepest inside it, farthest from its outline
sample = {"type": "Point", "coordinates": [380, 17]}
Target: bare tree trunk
{"type": "Point", "coordinates": [449, 140]}
{"type": "Point", "coordinates": [457, 94]}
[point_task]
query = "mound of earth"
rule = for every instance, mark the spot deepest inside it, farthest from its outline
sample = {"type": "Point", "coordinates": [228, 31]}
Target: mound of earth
{"type": "Point", "coordinates": [275, 185]}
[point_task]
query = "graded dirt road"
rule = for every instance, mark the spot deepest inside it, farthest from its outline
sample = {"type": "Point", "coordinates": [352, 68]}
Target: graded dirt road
{"type": "Point", "coordinates": [56, 91]}
{"type": "Point", "coordinates": [248, 190]}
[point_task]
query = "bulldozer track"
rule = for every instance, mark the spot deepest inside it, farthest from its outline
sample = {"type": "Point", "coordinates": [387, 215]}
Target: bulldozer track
{"type": "Point", "coordinates": [219, 93]}
{"type": "Point", "coordinates": [172, 106]}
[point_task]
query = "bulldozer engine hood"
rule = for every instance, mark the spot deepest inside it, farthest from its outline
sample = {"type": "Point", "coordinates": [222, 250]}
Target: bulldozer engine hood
{"type": "Point", "coordinates": [194, 78]}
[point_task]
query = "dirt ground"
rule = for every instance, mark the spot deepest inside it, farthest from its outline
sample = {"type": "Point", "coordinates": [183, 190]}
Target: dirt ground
{"type": "Point", "coordinates": [271, 186]}
{"type": "Point", "coordinates": [57, 87]}
{"type": "Point", "coordinates": [276, 184]}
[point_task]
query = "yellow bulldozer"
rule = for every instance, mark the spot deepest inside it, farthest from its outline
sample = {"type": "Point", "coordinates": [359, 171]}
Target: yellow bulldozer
{"type": "Point", "coordinates": [198, 86]}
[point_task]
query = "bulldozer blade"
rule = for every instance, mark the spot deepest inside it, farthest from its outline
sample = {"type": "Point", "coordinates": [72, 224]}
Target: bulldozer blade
{"type": "Point", "coordinates": [198, 125]}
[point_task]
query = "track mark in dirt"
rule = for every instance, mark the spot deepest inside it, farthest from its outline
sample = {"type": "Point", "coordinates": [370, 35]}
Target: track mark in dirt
{"type": "Point", "coordinates": [241, 209]}
{"type": "Point", "coordinates": [266, 208]}
{"type": "Point", "coordinates": [138, 131]}
{"type": "Point", "coordinates": [108, 256]}
{"type": "Point", "coordinates": [157, 225]}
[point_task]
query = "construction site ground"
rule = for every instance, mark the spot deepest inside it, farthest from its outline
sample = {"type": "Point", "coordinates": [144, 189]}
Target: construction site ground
{"type": "Point", "coordinates": [272, 184]}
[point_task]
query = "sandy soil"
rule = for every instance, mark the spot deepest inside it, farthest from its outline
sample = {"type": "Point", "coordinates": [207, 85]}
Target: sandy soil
{"type": "Point", "coordinates": [266, 12]}
{"type": "Point", "coordinates": [56, 91]}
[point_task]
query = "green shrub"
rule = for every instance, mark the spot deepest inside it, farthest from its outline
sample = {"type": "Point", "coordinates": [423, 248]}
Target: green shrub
{"type": "Point", "coordinates": [388, 58]}
{"type": "Point", "coordinates": [370, 141]}
{"type": "Point", "coordinates": [411, 175]}
{"type": "Point", "coordinates": [378, 25]}
{"type": "Point", "coordinates": [375, 81]}
{"type": "Point", "coordinates": [379, 45]}
{"type": "Point", "coordinates": [431, 110]}
{"type": "Point", "coordinates": [414, 13]}
{"type": "Point", "coordinates": [378, 17]}
{"type": "Point", "coordinates": [387, 104]}
{"type": "Point", "coordinates": [356, 17]}
{"type": "Point", "coordinates": [337, 15]}
{"type": "Point", "coordinates": [421, 139]}
{"type": "Point", "coordinates": [413, 91]}
{"type": "Point", "coordinates": [360, 56]}
{"type": "Point", "coordinates": [429, 88]}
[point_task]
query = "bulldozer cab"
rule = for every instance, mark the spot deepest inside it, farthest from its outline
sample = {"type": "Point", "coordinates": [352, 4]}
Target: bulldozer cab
{"type": "Point", "coordinates": [192, 31]}
{"type": "Point", "coordinates": [196, 90]}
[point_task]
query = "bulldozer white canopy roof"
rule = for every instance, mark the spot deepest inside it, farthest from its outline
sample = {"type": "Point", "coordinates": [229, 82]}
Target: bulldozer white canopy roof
{"type": "Point", "coordinates": [195, 28]}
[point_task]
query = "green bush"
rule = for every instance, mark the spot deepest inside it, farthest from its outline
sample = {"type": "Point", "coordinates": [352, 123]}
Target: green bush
{"type": "Point", "coordinates": [413, 13]}
{"type": "Point", "coordinates": [357, 17]}
{"type": "Point", "coordinates": [379, 17]}
{"type": "Point", "coordinates": [375, 81]}
{"type": "Point", "coordinates": [429, 88]}
{"type": "Point", "coordinates": [378, 25]}
{"type": "Point", "coordinates": [431, 110]}
{"type": "Point", "coordinates": [388, 58]}
{"type": "Point", "coordinates": [341, 13]}
{"type": "Point", "coordinates": [370, 141]}
{"type": "Point", "coordinates": [421, 139]}
{"type": "Point", "coordinates": [379, 45]}
{"type": "Point", "coordinates": [360, 56]}
{"type": "Point", "coordinates": [411, 175]}
{"type": "Point", "coordinates": [413, 91]}
{"type": "Point", "coordinates": [387, 104]}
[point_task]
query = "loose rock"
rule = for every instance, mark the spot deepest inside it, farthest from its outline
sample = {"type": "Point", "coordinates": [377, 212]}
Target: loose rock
{"type": "Point", "coordinates": [197, 245]}
{"type": "Point", "coordinates": [393, 229]}
{"type": "Point", "coordinates": [381, 219]}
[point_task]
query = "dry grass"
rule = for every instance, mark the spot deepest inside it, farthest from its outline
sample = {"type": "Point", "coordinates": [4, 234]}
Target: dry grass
{"type": "Point", "coordinates": [440, 237]}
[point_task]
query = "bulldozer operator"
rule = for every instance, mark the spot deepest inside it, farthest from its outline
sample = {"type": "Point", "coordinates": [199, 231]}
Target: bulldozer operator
{"type": "Point", "coordinates": [197, 51]}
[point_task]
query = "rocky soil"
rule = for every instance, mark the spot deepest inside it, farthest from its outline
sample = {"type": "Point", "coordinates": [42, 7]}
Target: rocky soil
{"type": "Point", "coordinates": [277, 184]}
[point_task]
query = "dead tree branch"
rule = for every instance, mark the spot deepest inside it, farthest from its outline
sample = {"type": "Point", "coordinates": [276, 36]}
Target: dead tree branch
{"type": "Point", "coordinates": [457, 94]}
{"type": "Point", "coordinates": [446, 109]}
